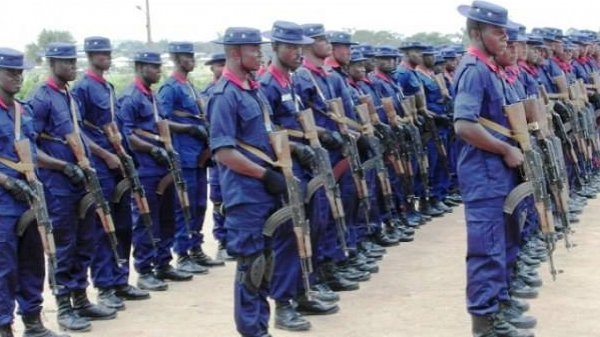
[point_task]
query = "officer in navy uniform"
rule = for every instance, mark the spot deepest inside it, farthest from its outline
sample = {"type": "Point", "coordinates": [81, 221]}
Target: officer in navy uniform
{"type": "Point", "coordinates": [98, 108]}
{"type": "Point", "coordinates": [216, 64]}
{"type": "Point", "coordinates": [356, 215]}
{"type": "Point", "coordinates": [240, 117]}
{"type": "Point", "coordinates": [138, 117]}
{"type": "Point", "coordinates": [287, 286]}
{"type": "Point", "coordinates": [479, 93]}
{"type": "Point", "coordinates": [182, 104]}
{"type": "Point", "coordinates": [315, 85]}
{"type": "Point", "coordinates": [438, 111]}
{"type": "Point", "coordinates": [357, 81]}
{"type": "Point", "coordinates": [57, 114]}
{"type": "Point", "coordinates": [21, 257]}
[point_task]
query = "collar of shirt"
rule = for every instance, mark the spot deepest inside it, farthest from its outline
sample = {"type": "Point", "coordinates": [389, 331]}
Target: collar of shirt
{"type": "Point", "coordinates": [352, 82]}
{"type": "Point", "coordinates": [367, 80]}
{"type": "Point", "coordinates": [312, 67]}
{"type": "Point", "coordinates": [3, 104]}
{"type": "Point", "coordinates": [142, 87]}
{"type": "Point", "coordinates": [52, 84]}
{"type": "Point", "coordinates": [382, 76]}
{"type": "Point", "coordinates": [512, 69]}
{"type": "Point", "coordinates": [565, 66]}
{"type": "Point", "coordinates": [95, 76]}
{"type": "Point", "coordinates": [529, 69]}
{"type": "Point", "coordinates": [583, 60]}
{"type": "Point", "coordinates": [425, 71]}
{"type": "Point", "coordinates": [229, 75]}
{"type": "Point", "coordinates": [332, 62]}
{"type": "Point", "coordinates": [179, 78]}
{"type": "Point", "coordinates": [282, 79]}
{"type": "Point", "coordinates": [507, 74]}
{"type": "Point", "coordinates": [483, 58]}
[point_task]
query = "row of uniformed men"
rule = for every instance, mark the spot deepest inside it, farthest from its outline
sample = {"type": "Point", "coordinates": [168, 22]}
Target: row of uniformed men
{"type": "Point", "coordinates": [90, 113]}
{"type": "Point", "coordinates": [525, 111]}
{"type": "Point", "coordinates": [241, 112]}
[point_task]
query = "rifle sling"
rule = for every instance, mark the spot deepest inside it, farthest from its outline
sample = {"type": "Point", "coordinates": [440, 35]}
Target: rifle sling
{"type": "Point", "coordinates": [260, 154]}
{"type": "Point", "coordinates": [17, 166]}
{"type": "Point", "coordinates": [499, 129]}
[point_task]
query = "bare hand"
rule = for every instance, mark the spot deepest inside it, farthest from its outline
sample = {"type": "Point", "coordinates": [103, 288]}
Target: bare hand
{"type": "Point", "coordinates": [513, 157]}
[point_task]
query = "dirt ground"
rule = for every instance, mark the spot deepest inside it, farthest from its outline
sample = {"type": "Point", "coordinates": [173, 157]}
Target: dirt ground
{"type": "Point", "coordinates": [419, 292]}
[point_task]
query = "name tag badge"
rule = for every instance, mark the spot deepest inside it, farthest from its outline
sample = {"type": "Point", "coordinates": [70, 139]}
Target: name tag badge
{"type": "Point", "coordinates": [286, 97]}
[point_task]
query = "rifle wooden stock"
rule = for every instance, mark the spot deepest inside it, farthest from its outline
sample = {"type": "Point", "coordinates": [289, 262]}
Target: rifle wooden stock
{"type": "Point", "coordinates": [518, 124]}
{"type": "Point", "coordinates": [323, 168]}
{"type": "Point", "coordinates": [281, 148]}
{"type": "Point", "coordinates": [561, 84]}
{"type": "Point", "coordinates": [368, 100]}
{"type": "Point", "coordinates": [40, 208]}
{"type": "Point", "coordinates": [128, 170]}
{"type": "Point", "coordinates": [93, 187]}
{"type": "Point", "coordinates": [362, 111]}
{"type": "Point", "coordinates": [175, 170]}
{"type": "Point", "coordinates": [307, 120]}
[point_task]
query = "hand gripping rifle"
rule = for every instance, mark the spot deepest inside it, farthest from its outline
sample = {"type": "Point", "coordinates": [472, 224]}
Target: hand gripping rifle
{"type": "Point", "coordinates": [92, 185]}
{"type": "Point", "coordinates": [323, 176]}
{"type": "Point", "coordinates": [176, 174]}
{"type": "Point", "coordinates": [378, 162]}
{"type": "Point", "coordinates": [350, 151]}
{"type": "Point", "coordinates": [535, 180]}
{"type": "Point", "coordinates": [538, 124]}
{"type": "Point", "coordinates": [130, 173]}
{"type": "Point", "coordinates": [294, 209]}
{"type": "Point", "coordinates": [40, 210]}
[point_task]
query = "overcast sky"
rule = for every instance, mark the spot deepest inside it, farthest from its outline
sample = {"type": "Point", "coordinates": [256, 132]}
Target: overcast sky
{"type": "Point", "coordinates": [200, 20]}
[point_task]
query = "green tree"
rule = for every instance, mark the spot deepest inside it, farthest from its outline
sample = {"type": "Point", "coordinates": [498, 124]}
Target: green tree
{"type": "Point", "coordinates": [33, 50]}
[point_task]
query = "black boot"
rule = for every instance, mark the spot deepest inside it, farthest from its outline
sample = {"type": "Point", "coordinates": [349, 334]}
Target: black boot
{"type": "Point", "coordinates": [315, 306]}
{"type": "Point", "coordinates": [287, 318]}
{"type": "Point", "coordinates": [222, 253]}
{"type": "Point", "coordinates": [382, 239]}
{"type": "Point", "coordinates": [147, 281]}
{"type": "Point", "coordinates": [483, 326]}
{"type": "Point", "coordinates": [515, 316]}
{"type": "Point", "coordinates": [35, 328]}
{"type": "Point", "coordinates": [185, 263]}
{"type": "Point", "coordinates": [426, 208]}
{"type": "Point", "coordinates": [84, 308]}
{"type": "Point", "coordinates": [435, 202]}
{"type": "Point", "coordinates": [323, 293]}
{"type": "Point", "coordinates": [67, 318]}
{"type": "Point", "coordinates": [6, 331]}
{"type": "Point", "coordinates": [505, 329]}
{"type": "Point", "coordinates": [169, 273]}
{"type": "Point", "coordinates": [108, 298]}
{"type": "Point", "coordinates": [131, 293]}
{"type": "Point", "coordinates": [198, 255]}
{"type": "Point", "coordinates": [335, 281]}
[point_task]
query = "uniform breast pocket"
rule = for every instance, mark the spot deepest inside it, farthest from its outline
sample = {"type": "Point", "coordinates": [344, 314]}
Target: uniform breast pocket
{"type": "Point", "coordinates": [6, 136]}
{"type": "Point", "coordinates": [146, 112]}
{"type": "Point", "coordinates": [62, 123]}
